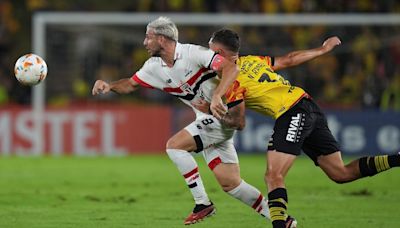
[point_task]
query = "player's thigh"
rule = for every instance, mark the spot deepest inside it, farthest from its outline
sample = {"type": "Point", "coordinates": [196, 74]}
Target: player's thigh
{"type": "Point", "coordinates": [279, 163]}
{"type": "Point", "coordinates": [182, 140]}
{"type": "Point", "coordinates": [222, 159]}
{"type": "Point", "coordinates": [290, 131]}
{"type": "Point", "coordinates": [221, 153]}
{"type": "Point", "coordinates": [207, 132]}
{"type": "Point", "coordinates": [321, 143]}
{"type": "Point", "coordinates": [292, 128]}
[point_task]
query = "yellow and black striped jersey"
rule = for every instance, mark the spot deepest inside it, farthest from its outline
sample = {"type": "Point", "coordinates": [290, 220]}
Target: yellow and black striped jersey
{"type": "Point", "coordinates": [262, 89]}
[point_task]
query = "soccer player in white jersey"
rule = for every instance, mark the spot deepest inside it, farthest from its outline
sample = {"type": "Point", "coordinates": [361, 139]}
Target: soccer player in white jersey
{"type": "Point", "coordinates": [189, 72]}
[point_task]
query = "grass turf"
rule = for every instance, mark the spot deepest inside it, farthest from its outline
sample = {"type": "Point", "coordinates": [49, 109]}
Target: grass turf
{"type": "Point", "coordinates": [147, 191]}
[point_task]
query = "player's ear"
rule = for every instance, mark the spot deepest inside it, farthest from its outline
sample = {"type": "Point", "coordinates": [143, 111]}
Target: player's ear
{"type": "Point", "coordinates": [220, 51]}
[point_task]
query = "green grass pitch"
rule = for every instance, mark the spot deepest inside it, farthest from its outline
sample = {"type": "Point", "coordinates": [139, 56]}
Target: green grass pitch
{"type": "Point", "coordinates": [147, 191]}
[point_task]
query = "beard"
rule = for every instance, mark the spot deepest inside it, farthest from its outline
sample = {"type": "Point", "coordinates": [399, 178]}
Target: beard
{"type": "Point", "coordinates": [157, 52]}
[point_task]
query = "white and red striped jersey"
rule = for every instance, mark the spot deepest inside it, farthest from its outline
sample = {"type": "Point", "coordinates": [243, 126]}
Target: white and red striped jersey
{"type": "Point", "coordinates": [192, 76]}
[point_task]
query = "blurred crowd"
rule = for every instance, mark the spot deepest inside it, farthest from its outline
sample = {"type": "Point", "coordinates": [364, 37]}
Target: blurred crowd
{"type": "Point", "coordinates": [362, 73]}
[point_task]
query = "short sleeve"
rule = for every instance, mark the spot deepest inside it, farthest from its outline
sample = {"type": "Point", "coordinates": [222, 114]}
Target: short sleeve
{"type": "Point", "coordinates": [143, 76]}
{"type": "Point", "coordinates": [235, 92]}
{"type": "Point", "coordinates": [202, 55]}
{"type": "Point", "coordinates": [268, 59]}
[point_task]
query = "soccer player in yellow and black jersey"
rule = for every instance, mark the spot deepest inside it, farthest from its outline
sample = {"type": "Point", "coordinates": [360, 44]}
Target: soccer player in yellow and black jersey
{"type": "Point", "coordinates": [300, 124]}
{"type": "Point", "coordinates": [264, 90]}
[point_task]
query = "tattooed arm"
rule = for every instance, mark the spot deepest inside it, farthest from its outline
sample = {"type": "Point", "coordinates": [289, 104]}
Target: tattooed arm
{"type": "Point", "coordinates": [234, 118]}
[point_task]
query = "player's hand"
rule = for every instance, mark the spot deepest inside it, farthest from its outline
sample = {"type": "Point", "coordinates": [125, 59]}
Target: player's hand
{"type": "Point", "coordinates": [331, 42]}
{"type": "Point", "coordinates": [202, 106]}
{"type": "Point", "coordinates": [100, 86]}
{"type": "Point", "coordinates": [217, 107]}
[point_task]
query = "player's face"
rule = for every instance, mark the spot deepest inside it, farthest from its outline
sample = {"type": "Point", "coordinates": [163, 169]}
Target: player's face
{"type": "Point", "coordinates": [220, 49]}
{"type": "Point", "coordinates": [217, 47]}
{"type": "Point", "coordinates": [152, 43]}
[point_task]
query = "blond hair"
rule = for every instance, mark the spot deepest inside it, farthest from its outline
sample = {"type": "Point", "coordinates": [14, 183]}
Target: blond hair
{"type": "Point", "coordinates": [164, 26]}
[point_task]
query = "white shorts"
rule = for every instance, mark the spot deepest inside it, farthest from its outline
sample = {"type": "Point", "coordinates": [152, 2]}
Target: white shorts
{"type": "Point", "coordinates": [214, 140]}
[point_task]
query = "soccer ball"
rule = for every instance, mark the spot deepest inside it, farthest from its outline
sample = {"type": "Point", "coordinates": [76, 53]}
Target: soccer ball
{"type": "Point", "coordinates": [30, 69]}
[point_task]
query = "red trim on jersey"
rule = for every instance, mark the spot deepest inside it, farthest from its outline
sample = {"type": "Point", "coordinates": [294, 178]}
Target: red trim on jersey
{"type": "Point", "coordinates": [258, 201]}
{"type": "Point", "coordinates": [217, 62]}
{"type": "Point", "coordinates": [267, 59]}
{"type": "Point", "coordinates": [196, 76]}
{"type": "Point", "coordinates": [259, 209]}
{"type": "Point", "coordinates": [213, 163]}
{"type": "Point", "coordinates": [191, 81]}
{"type": "Point", "coordinates": [189, 174]}
{"type": "Point", "coordinates": [142, 83]}
{"type": "Point", "coordinates": [173, 90]}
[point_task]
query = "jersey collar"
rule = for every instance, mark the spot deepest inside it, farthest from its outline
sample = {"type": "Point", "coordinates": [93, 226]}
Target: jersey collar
{"type": "Point", "coordinates": [177, 55]}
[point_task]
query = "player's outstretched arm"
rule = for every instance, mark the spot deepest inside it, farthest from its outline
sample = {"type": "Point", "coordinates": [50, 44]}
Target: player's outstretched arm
{"type": "Point", "coordinates": [229, 73]}
{"type": "Point", "coordinates": [122, 86]}
{"type": "Point", "coordinates": [298, 57]}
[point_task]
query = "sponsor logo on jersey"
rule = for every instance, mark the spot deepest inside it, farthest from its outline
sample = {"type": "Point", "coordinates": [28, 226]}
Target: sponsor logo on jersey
{"type": "Point", "coordinates": [295, 128]}
{"type": "Point", "coordinates": [187, 88]}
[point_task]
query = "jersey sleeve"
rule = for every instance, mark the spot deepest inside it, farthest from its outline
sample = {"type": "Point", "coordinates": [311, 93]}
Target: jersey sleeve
{"type": "Point", "coordinates": [143, 76]}
{"type": "Point", "coordinates": [268, 59]}
{"type": "Point", "coordinates": [203, 56]}
{"type": "Point", "coordinates": [235, 93]}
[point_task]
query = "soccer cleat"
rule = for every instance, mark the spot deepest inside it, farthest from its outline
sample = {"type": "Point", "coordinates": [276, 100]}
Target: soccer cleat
{"type": "Point", "coordinates": [199, 213]}
{"type": "Point", "coordinates": [291, 222]}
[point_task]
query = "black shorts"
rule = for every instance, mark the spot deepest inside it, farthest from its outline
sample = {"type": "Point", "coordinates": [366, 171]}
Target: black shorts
{"type": "Point", "coordinates": [303, 127]}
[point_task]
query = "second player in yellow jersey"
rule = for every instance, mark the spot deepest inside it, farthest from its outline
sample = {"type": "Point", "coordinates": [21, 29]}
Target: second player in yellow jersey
{"type": "Point", "coordinates": [300, 124]}
{"type": "Point", "coordinates": [264, 90]}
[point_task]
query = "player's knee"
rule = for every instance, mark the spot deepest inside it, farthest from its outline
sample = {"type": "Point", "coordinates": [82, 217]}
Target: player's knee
{"type": "Point", "coordinates": [228, 181]}
{"type": "Point", "coordinates": [181, 144]}
{"type": "Point", "coordinates": [172, 144]}
{"type": "Point", "coordinates": [227, 187]}
{"type": "Point", "coordinates": [274, 178]}
{"type": "Point", "coordinates": [229, 184]}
